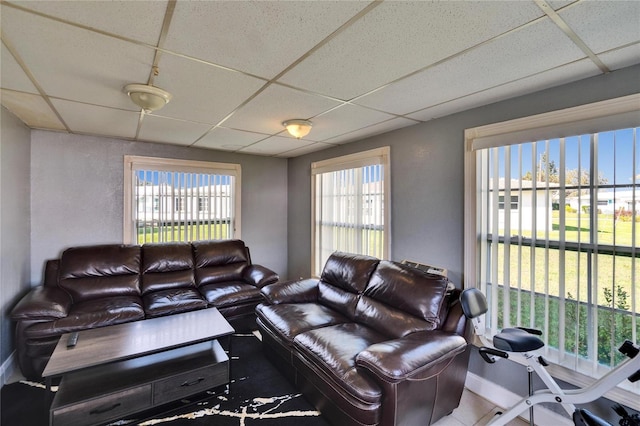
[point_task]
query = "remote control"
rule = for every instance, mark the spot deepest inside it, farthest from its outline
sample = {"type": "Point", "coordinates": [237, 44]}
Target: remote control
{"type": "Point", "coordinates": [73, 339]}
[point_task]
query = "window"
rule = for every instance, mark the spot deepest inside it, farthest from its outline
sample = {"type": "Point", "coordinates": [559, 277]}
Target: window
{"type": "Point", "coordinates": [547, 259]}
{"type": "Point", "coordinates": [513, 204]}
{"type": "Point", "coordinates": [177, 200]}
{"type": "Point", "coordinates": [350, 206]}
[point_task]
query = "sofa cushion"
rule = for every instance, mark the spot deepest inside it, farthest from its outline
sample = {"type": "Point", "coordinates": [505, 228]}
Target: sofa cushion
{"type": "Point", "coordinates": [294, 291]}
{"type": "Point", "coordinates": [230, 293]}
{"type": "Point", "coordinates": [350, 272]}
{"type": "Point", "coordinates": [289, 320]}
{"type": "Point", "coordinates": [91, 314]}
{"type": "Point", "coordinates": [96, 272]}
{"type": "Point", "coordinates": [172, 301]}
{"type": "Point", "coordinates": [219, 261]}
{"type": "Point", "coordinates": [333, 350]}
{"type": "Point", "coordinates": [343, 279]}
{"type": "Point", "coordinates": [420, 356]}
{"type": "Point", "coordinates": [167, 266]}
{"type": "Point", "coordinates": [400, 300]}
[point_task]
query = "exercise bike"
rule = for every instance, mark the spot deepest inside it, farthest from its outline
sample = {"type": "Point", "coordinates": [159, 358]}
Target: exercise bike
{"type": "Point", "coordinates": [524, 342]}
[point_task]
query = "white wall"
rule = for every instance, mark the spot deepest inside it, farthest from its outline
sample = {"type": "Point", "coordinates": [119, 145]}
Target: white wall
{"type": "Point", "coordinates": [14, 225]}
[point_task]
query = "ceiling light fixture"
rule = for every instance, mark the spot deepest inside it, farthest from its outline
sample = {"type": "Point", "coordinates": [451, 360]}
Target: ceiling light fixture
{"type": "Point", "coordinates": [147, 97]}
{"type": "Point", "coordinates": [298, 128]}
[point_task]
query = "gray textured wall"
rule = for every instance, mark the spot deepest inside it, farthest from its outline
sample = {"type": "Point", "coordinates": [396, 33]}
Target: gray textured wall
{"type": "Point", "coordinates": [427, 174]}
{"type": "Point", "coordinates": [427, 189]}
{"type": "Point", "coordinates": [14, 222]}
{"type": "Point", "coordinates": [77, 195]}
{"type": "Point", "coordinates": [76, 192]}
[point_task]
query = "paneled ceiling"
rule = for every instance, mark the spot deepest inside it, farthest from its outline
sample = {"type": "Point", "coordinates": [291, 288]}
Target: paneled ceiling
{"type": "Point", "coordinates": [238, 69]}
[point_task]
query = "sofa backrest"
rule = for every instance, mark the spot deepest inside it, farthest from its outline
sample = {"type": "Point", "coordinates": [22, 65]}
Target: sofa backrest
{"type": "Point", "coordinates": [343, 279]}
{"type": "Point", "coordinates": [400, 300]}
{"type": "Point", "coordinates": [93, 272]}
{"type": "Point", "coordinates": [219, 261]}
{"type": "Point", "coordinates": [166, 266]}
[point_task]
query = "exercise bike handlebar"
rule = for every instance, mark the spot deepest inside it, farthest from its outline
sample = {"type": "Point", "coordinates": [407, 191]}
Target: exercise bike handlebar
{"type": "Point", "coordinates": [488, 354]}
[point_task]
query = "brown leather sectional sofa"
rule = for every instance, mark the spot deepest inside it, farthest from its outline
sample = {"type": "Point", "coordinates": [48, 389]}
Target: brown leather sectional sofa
{"type": "Point", "coordinates": [371, 342]}
{"type": "Point", "coordinates": [96, 286]}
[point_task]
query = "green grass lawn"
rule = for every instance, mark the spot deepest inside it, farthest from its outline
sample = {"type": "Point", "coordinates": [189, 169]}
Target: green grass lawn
{"type": "Point", "coordinates": [578, 228]}
{"type": "Point", "coordinates": [543, 268]}
{"type": "Point", "coordinates": [570, 278]}
{"type": "Point", "coordinates": [218, 231]}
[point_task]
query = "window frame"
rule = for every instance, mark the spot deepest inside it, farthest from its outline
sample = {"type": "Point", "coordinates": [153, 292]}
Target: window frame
{"type": "Point", "coordinates": [617, 113]}
{"type": "Point", "coordinates": [375, 156]}
{"type": "Point", "coordinates": [133, 163]}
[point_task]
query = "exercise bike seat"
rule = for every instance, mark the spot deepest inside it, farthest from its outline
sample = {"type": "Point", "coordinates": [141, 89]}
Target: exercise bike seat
{"type": "Point", "coordinates": [516, 340]}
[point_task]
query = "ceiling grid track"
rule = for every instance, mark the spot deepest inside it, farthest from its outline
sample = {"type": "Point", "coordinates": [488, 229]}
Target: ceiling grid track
{"type": "Point", "coordinates": [171, 6]}
{"type": "Point", "coordinates": [323, 42]}
{"type": "Point", "coordinates": [355, 70]}
{"type": "Point", "coordinates": [31, 77]}
{"type": "Point", "coordinates": [557, 19]}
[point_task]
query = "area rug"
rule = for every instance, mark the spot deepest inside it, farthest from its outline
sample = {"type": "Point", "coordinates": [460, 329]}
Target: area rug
{"type": "Point", "coordinates": [258, 395]}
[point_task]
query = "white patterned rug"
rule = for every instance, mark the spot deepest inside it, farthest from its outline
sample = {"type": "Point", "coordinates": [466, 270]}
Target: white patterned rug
{"type": "Point", "coordinates": [259, 396]}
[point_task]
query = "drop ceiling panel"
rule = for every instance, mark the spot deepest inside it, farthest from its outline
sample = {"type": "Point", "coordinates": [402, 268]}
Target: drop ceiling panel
{"type": "Point", "coordinates": [32, 109]}
{"type": "Point", "coordinates": [96, 120]}
{"type": "Point", "coordinates": [398, 38]}
{"type": "Point", "coordinates": [262, 38]}
{"type": "Point", "coordinates": [593, 22]}
{"type": "Point", "coordinates": [202, 92]}
{"type": "Point", "coordinates": [421, 59]}
{"type": "Point", "coordinates": [520, 54]}
{"type": "Point", "coordinates": [167, 130]}
{"type": "Point", "coordinates": [275, 145]}
{"type": "Point", "coordinates": [75, 64]}
{"type": "Point", "coordinates": [344, 119]}
{"type": "Point", "coordinates": [375, 129]}
{"type": "Point", "coordinates": [11, 74]}
{"type": "Point", "coordinates": [561, 75]}
{"type": "Point", "coordinates": [228, 139]}
{"type": "Point", "coordinates": [275, 104]}
{"type": "Point", "coordinates": [138, 20]}
{"type": "Point", "coordinates": [621, 58]}
{"type": "Point", "coordinates": [316, 146]}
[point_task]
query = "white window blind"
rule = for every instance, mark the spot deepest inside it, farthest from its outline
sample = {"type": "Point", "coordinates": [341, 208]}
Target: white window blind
{"type": "Point", "coordinates": [351, 206]}
{"type": "Point", "coordinates": [177, 200]}
{"type": "Point", "coordinates": [563, 255]}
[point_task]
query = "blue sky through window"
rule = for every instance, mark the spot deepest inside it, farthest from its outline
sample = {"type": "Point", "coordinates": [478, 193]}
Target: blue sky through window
{"type": "Point", "coordinates": [183, 180]}
{"type": "Point", "coordinates": [615, 156]}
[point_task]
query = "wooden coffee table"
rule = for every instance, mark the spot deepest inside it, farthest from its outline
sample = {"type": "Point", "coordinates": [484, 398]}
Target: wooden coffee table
{"type": "Point", "coordinates": [124, 369]}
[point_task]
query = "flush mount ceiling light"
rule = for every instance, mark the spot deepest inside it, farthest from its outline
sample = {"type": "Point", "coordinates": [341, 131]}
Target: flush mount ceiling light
{"type": "Point", "coordinates": [147, 97]}
{"type": "Point", "coordinates": [298, 128]}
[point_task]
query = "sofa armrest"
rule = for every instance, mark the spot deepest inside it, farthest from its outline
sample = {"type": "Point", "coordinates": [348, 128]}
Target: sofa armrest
{"type": "Point", "coordinates": [42, 303]}
{"type": "Point", "coordinates": [456, 322]}
{"type": "Point", "coordinates": [397, 360]}
{"type": "Point", "coordinates": [259, 275]}
{"type": "Point", "coordinates": [298, 291]}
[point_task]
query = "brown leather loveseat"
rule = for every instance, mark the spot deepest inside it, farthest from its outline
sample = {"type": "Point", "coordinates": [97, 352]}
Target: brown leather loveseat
{"type": "Point", "coordinates": [100, 285]}
{"type": "Point", "coordinates": [369, 343]}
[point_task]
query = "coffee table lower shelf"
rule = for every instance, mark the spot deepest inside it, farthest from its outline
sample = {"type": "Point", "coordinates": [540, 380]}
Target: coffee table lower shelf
{"type": "Point", "coordinates": [113, 391]}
